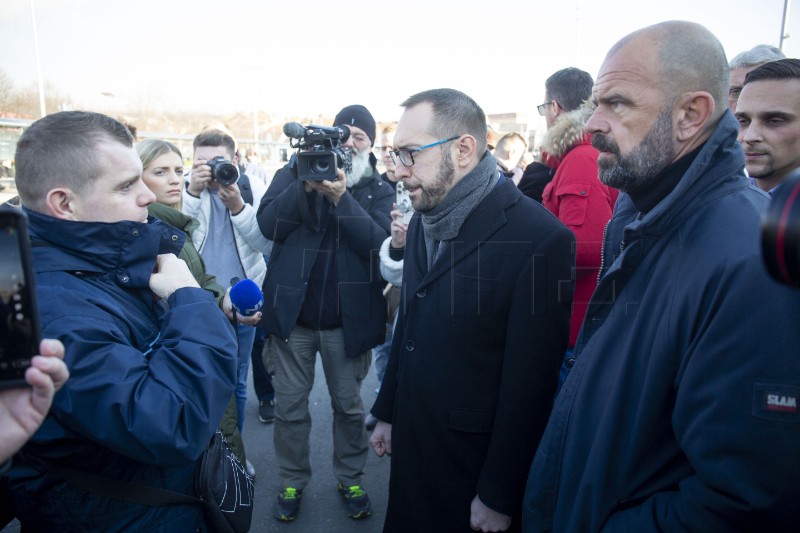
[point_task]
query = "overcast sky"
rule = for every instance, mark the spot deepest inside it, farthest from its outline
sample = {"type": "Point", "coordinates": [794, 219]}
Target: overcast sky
{"type": "Point", "coordinates": [314, 57]}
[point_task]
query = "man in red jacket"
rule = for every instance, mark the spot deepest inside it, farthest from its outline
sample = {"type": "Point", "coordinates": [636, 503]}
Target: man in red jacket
{"type": "Point", "coordinates": [575, 194]}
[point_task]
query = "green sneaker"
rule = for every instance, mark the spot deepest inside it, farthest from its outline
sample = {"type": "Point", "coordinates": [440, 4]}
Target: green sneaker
{"type": "Point", "coordinates": [288, 504]}
{"type": "Point", "coordinates": [356, 500]}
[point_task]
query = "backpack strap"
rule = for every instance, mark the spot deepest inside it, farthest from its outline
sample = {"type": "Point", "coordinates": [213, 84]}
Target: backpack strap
{"type": "Point", "coordinates": [122, 490]}
{"type": "Point", "coordinates": [245, 189]}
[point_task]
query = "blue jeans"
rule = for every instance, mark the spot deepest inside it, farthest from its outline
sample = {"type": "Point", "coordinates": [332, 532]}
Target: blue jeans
{"type": "Point", "coordinates": [380, 353]}
{"type": "Point", "coordinates": [245, 335]}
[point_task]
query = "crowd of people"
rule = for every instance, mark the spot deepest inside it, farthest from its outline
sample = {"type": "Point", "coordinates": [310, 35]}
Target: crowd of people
{"type": "Point", "coordinates": [588, 341]}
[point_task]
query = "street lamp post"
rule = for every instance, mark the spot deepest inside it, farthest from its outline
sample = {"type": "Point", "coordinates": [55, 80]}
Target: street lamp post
{"type": "Point", "coordinates": [38, 62]}
{"type": "Point", "coordinates": [784, 35]}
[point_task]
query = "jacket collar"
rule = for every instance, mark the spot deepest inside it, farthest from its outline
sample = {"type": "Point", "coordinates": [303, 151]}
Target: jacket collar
{"type": "Point", "coordinates": [485, 220]}
{"type": "Point", "coordinates": [718, 169]}
{"type": "Point", "coordinates": [173, 217]}
{"type": "Point", "coordinates": [126, 249]}
{"type": "Point", "coordinates": [567, 132]}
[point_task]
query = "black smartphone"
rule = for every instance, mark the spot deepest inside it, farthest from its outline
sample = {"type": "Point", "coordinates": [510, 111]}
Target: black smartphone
{"type": "Point", "coordinates": [20, 332]}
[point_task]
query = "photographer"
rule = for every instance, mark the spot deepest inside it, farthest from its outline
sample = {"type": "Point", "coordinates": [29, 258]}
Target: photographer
{"type": "Point", "coordinates": [228, 237]}
{"type": "Point", "coordinates": [324, 293]}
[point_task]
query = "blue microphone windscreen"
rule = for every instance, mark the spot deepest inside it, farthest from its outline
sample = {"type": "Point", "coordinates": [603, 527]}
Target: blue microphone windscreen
{"type": "Point", "coordinates": [246, 297]}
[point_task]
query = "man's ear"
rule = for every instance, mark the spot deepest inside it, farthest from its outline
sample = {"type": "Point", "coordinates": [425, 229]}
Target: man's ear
{"type": "Point", "coordinates": [60, 203]}
{"type": "Point", "coordinates": [694, 111]}
{"type": "Point", "coordinates": [465, 150]}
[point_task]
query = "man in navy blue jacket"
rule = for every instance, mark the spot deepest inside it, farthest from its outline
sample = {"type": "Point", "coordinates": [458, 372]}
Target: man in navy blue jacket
{"type": "Point", "coordinates": [152, 357]}
{"type": "Point", "coordinates": [680, 413]}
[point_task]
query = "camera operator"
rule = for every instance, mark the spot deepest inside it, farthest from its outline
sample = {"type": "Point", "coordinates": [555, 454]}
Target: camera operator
{"type": "Point", "coordinates": [228, 237]}
{"type": "Point", "coordinates": [324, 294]}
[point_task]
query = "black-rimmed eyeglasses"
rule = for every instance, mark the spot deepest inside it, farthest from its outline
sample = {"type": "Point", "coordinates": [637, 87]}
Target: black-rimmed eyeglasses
{"type": "Point", "coordinates": [406, 156]}
{"type": "Point", "coordinates": [542, 108]}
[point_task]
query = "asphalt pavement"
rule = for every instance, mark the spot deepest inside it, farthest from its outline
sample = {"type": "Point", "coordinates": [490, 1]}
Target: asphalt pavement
{"type": "Point", "coordinates": [321, 510]}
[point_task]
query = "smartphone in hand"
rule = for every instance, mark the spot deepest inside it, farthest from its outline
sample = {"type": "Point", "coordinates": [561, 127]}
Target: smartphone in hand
{"type": "Point", "coordinates": [19, 317]}
{"type": "Point", "coordinates": [403, 202]}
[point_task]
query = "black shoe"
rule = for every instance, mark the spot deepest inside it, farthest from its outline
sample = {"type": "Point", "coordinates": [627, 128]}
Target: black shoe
{"type": "Point", "coordinates": [266, 411]}
{"type": "Point", "coordinates": [357, 501]}
{"type": "Point", "coordinates": [288, 504]}
{"type": "Point", "coordinates": [370, 422]}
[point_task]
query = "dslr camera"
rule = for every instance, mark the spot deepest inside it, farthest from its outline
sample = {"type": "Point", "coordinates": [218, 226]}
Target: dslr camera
{"type": "Point", "coordinates": [321, 153]}
{"type": "Point", "coordinates": [223, 170]}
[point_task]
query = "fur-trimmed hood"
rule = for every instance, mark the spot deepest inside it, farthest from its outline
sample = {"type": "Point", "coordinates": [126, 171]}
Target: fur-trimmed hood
{"type": "Point", "coordinates": [567, 131]}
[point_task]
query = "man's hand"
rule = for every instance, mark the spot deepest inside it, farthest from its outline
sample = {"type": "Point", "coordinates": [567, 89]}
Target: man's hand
{"type": "Point", "coordinates": [199, 178]}
{"type": "Point", "coordinates": [23, 410]}
{"type": "Point", "coordinates": [381, 439]}
{"type": "Point", "coordinates": [332, 190]}
{"type": "Point", "coordinates": [231, 196]}
{"type": "Point", "coordinates": [399, 228]}
{"type": "Point", "coordinates": [227, 308]}
{"type": "Point", "coordinates": [484, 519]}
{"type": "Point", "coordinates": [171, 274]}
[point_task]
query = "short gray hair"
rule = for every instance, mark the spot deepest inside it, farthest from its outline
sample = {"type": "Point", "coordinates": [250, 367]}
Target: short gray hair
{"type": "Point", "coordinates": [762, 53]}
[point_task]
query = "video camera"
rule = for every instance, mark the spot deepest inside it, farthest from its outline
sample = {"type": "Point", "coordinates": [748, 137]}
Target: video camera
{"type": "Point", "coordinates": [323, 155]}
{"type": "Point", "coordinates": [780, 232]}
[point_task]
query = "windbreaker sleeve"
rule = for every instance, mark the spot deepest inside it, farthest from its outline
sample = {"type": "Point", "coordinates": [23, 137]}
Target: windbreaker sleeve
{"type": "Point", "coordinates": [158, 403]}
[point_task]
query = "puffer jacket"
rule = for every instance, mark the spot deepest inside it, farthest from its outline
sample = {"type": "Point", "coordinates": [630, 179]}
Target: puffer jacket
{"type": "Point", "coordinates": [251, 245]}
{"type": "Point", "coordinates": [580, 201]}
{"type": "Point", "coordinates": [149, 380]}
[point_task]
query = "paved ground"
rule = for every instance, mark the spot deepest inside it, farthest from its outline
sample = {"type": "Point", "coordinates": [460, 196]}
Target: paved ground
{"type": "Point", "coordinates": [322, 511]}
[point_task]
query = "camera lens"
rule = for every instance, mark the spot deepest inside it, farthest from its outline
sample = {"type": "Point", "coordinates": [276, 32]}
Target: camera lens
{"type": "Point", "coordinates": [780, 232]}
{"type": "Point", "coordinates": [321, 165]}
{"type": "Point", "coordinates": [227, 174]}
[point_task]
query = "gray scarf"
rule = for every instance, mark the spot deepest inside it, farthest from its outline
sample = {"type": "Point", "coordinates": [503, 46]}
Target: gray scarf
{"type": "Point", "coordinates": [443, 221]}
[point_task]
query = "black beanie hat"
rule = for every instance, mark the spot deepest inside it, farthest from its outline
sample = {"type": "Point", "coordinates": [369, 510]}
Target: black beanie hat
{"type": "Point", "coordinates": [358, 116]}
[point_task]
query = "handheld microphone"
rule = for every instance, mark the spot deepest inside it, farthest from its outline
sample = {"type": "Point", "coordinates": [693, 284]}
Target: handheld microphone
{"type": "Point", "coordinates": [246, 297]}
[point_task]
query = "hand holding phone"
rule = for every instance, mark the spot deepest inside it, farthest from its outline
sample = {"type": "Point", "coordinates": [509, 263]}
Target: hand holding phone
{"type": "Point", "coordinates": [403, 202]}
{"type": "Point", "coordinates": [20, 333]}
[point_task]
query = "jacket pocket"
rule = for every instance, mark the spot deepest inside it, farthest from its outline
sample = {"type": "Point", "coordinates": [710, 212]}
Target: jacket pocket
{"type": "Point", "coordinates": [573, 202]}
{"type": "Point", "coordinates": [285, 308]}
{"type": "Point", "coordinates": [471, 420]}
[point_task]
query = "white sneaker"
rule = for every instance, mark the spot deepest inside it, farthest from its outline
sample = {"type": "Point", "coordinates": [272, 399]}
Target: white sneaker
{"type": "Point", "coordinates": [251, 471]}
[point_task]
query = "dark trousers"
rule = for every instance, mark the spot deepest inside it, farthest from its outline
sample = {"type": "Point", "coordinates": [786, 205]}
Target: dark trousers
{"type": "Point", "coordinates": [262, 381]}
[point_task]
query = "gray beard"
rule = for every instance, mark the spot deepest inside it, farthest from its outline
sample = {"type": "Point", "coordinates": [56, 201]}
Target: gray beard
{"type": "Point", "coordinates": [634, 172]}
{"type": "Point", "coordinates": [359, 169]}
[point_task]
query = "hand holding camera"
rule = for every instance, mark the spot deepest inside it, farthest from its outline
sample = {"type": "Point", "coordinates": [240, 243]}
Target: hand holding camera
{"type": "Point", "coordinates": [332, 190]}
{"type": "Point", "coordinates": [221, 173]}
